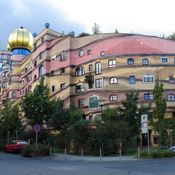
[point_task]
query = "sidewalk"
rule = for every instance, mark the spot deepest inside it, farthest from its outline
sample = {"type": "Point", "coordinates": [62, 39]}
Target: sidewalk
{"type": "Point", "coordinates": [58, 156]}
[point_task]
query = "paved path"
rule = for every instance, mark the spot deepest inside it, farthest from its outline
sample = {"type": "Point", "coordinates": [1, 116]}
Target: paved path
{"type": "Point", "coordinates": [91, 158]}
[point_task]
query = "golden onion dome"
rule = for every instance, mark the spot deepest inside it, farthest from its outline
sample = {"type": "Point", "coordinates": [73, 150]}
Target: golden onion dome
{"type": "Point", "coordinates": [20, 38]}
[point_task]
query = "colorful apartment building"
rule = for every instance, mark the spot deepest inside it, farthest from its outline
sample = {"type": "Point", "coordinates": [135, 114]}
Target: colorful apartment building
{"type": "Point", "coordinates": [119, 63]}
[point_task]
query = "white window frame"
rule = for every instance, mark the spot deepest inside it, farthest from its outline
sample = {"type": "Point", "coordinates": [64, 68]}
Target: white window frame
{"type": "Point", "coordinates": [171, 97]}
{"type": "Point", "coordinates": [112, 63]}
{"type": "Point", "coordinates": [13, 94]}
{"type": "Point", "coordinates": [63, 56]}
{"type": "Point", "coordinates": [148, 76]}
{"type": "Point", "coordinates": [113, 80]}
{"type": "Point", "coordinates": [98, 102]}
{"type": "Point", "coordinates": [98, 68]}
{"type": "Point", "coordinates": [145, 59]}
{"type": "Point", "coordinates": [150, 96]}
{"type": "Point", "coordinates": [113, 98]}
{"type": "Point", "coordinates": [95, 85]}
{"type": "Point", "coordinates": [62, 86]}
{"type": "Point", "coordinates": [53, 57]}
{"type": "Point", "coordinates": [163, 58]}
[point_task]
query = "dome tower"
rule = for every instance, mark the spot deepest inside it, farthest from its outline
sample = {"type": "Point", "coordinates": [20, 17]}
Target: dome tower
{"type": "Point", "coordinates": [20, 42]}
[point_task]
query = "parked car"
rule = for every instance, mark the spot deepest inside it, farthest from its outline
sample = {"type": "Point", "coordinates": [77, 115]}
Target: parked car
{"type": "Point", "coordinates": [16, 146]}
{"type": "Point", "coordinates": [172, 148]}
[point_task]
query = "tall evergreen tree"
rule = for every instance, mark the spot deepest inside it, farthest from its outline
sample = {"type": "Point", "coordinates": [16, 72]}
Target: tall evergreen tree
{"type": "Point", "coordinates": [160, 109]}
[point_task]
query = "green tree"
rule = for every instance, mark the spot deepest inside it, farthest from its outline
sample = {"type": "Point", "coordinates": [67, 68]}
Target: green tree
{"type": "Point", "coordinates": [80, 133]}
{"type": "Point", "coordinates": [116, 129]}
{"type": "Point", "coordinates": [130, 113]}
{"type": "Point", "coordinates": [129, 110]}
{"type": "Point", "coordinates": [37, 105]}
{"type": "Point", "coordinates": [9, 118]}
{"type": "Point", "coordinates": [58, 115]}
{"type": "Point", "coordinates": [89, 79]}
{"type": "Point", "coordinates": [160, 108]}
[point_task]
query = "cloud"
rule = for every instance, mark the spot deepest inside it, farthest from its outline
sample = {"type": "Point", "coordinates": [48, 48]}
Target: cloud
{"type": "Point", "coordinates": [143, 16]}
{"type": "Point", "coordinates": [137, 16]}
{"type": "Point", "coordinates": [19, 8]}
{"type": "Point", "coordinates": [32, 14]}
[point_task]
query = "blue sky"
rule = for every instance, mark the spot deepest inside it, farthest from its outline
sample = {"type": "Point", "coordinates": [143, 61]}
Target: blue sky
{"type": "Point", "coordinates": [32, 14]}
{"type": "Point", "coordinates": [152, 17]}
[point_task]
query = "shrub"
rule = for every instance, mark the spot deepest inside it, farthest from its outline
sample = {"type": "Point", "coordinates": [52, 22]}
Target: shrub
{"type": "Point", "coordinates": [156, 154]}
{"type": "Point", "coordinates": [2, 146]}
{"type": "Point", "coordinates": [31, 151]}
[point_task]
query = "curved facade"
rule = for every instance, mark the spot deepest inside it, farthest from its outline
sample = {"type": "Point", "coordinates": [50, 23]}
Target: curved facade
{"type": "Point", "coordinates": [119, 63]}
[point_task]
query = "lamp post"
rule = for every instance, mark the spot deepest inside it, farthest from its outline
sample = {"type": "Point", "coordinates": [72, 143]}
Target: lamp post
{"type": "Point", "coordinates": [101, 128]}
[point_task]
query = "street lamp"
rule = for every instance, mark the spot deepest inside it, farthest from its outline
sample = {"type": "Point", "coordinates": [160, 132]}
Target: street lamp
{"type": "Point", "coordinates": [101, 128]}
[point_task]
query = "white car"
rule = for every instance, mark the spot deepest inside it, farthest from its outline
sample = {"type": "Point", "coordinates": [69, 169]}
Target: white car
{"type": "Point", "coordinates": [172, 148]}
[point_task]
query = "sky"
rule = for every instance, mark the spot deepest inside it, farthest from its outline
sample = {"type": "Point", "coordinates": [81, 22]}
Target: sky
{"type": "Point", "coordinates": [150, 17]}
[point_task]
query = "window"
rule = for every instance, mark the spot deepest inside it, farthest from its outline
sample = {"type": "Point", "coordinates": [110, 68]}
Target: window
{"type": "Point", "coordinates": [132, 80]}
{"type": "Point", "coordinates": [145, 61]}
{"type": "Point", "coordinates": [156, 140]}
{"type": "Point", "coordinates": [35, 46]}
{"type": "Point", "coordinates": [63, 56]}
{"type": "Point", "coordinates": [35, 63]}
{"type": "Point", "coordinates": [113, 98]}
{"type": "Point", "coordinates": [79, 88]}
{"type": "Point", "coordinates": [148, 78]}
{"type": "Point", "coordinates": [130, 61]}
{"type": "Point", "coordinates": [89, 52]}
{"type": "Point", "coordinates": [62, 70]}
{"type": "Point", "coordinates": [112, 63]}
{"type": "Point", "coordinates": [171, 79]}
{"type": "Point", "coordinates": [41, 55]}
{"type": "Point", "coordinates": [148, 96]}
{"type": "Point", "coordinates": [171, 97]}
{"type": "Point", "coordinates": [164, 60]}
{"type": "Point", "coordinates": [79, 71]}
{"type": "Point", "coordinates": [102, 53]}
{"type": "Point", "coordinates": [90, 67]}
{"type": "Point", "coordinates": [42, 39]}
{"type": "Point", "coordinates": [98, 83]}
{"type": "Point", "coordinates": [52, 73]}
{"type": "Point", "coordinates": [13, 94]}
{"type": "Point", "coordinates": [98, 68]}
{"type": "Point", "coordinates": [53, 88]}
{"type": "Point", "coordinates": [113, 80]}
{"type": "Point", "coordinates": [53, 57]}
{"type": "Point", "coordinates": [62, 86]}
{"type": "Point", "coordinates": [35, 77]}
{"type": "Point", "coordinates": [81, 53]}
{"type": "Point", "coordinates": [41, 70]}
{"type": "Point", "coordinates": [80, 103]}
{"type": "Point", "coordinates": [93, 102]}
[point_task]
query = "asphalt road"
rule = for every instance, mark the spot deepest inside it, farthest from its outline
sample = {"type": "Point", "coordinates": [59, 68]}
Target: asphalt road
{"type": "Point", "coordinates": [16, 165]}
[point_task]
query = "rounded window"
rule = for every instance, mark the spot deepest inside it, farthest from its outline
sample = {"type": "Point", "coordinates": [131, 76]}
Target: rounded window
{"type": "Point", "coordinates": [81, 53]}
